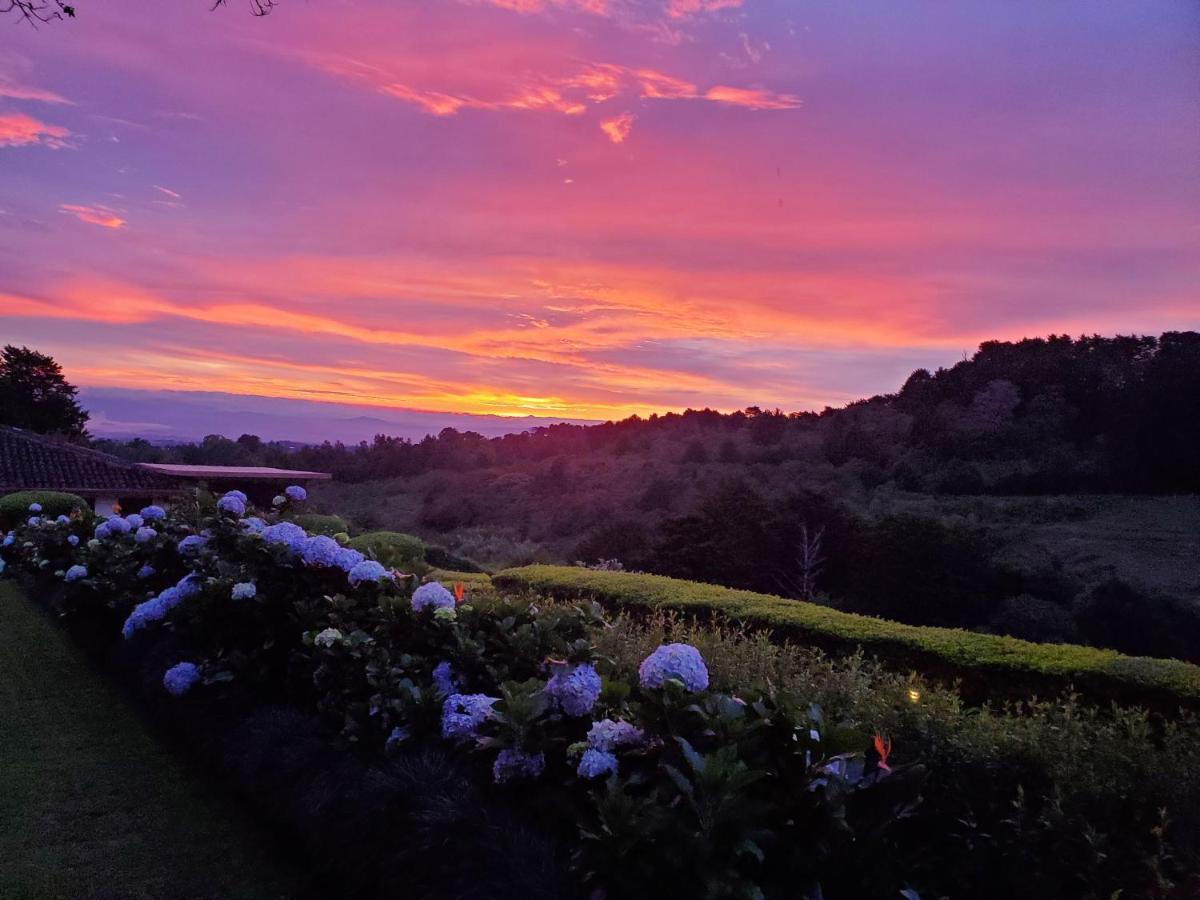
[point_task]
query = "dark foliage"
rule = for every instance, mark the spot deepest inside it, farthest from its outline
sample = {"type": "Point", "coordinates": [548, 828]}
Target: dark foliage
{"type": "Point", "coordinates": [35, 396]}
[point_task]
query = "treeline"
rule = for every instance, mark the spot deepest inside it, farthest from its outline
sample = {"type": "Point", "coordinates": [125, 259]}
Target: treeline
{"type": "Point", "coordinates": [1039, 416]}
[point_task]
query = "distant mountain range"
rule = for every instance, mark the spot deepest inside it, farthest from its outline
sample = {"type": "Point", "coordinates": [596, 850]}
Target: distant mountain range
{"type": "Point", "coordinates": [171, 417]}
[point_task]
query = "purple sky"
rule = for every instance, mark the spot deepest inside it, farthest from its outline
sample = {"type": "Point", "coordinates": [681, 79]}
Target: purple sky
{"type": "Point", "coordinates": [589, 208]}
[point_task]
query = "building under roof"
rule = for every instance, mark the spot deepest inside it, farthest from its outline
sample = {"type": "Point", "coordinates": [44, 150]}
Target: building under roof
{"type": "Point", "coordinates": [34, 462]}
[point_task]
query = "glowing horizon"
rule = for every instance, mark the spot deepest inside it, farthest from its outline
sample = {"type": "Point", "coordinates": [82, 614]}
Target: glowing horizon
{"type": "Point", "coordinates": [590, 208]}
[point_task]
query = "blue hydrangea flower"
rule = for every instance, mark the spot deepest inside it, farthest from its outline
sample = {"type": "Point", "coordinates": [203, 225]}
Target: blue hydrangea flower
{"type": "Point", "coordinates": [178, 679]}
{"type": "Point", "coordinates": [33, 521]}
{"type": "Point", "coordinates": [237, 494]}
{"type": "Point", "coordinates": [63, 520]}
{"type": "Point", "coordinates": [296, 493]}
{"type": "Point", "coordinates": [35, 507]}
{"type": "Point", "coordinates": [576, 689]}
{"type": "Point", "coordinates": [462, 714]}
{"type": "Point", "coordinates": [143, 614]}
{"type": "Point", "coordinates": [254, 525]}
{"type": "Point", "coordinates": [9, 539]}
{"type": "Point", "coordinates": [347, 558]}
{"type": "Point", "coordinates": [73, 540]}
{"type": "Point", "coordinates": [101, 531]}
{"type": "Point", "coordinates": [117, 525]}
{"type": "Point", "coordinates": [153, 513]}
{"type": "Point", "coordinates": [512, 764]}
{"type": "Point", "coordinates": [193, 543]}
{"type": "Point", "coordinates": [367, 570]}
{"type": "Point", "coordinates": [595, 763]}
{"type": "Point", "coordinates": [189, 585]}
{"type": "Point", "coordinates": [244, 590]}
{"type": "Point", "coordinates": [432, 594]}
{"type": "Point", "coordinates": [3, 566]}
{"type": "Point", "coordinates": [681, 661]}
{"type": "Point", "coordinates": [321, 551]}
{"type": "Point", "coordinates": [145, 534]}
{"type": "Point", "coordinates": [135, 521]}
{"type": "Point", "coordinates": [608, 735]}
{"type": "Point", "coordinates": [231, 504]}
{"type": "Point", "coordinates": [145, 572]}
{"type": "Point", "coordinates": [75, 573]}
{"type": "Point", "coordinates": [443, 678]}
{"type": "Point", "coordinates": [288, 534]}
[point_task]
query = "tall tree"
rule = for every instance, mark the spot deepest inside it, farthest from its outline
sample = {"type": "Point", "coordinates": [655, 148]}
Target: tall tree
{"type": "Point", "coordinates": [35, 395]}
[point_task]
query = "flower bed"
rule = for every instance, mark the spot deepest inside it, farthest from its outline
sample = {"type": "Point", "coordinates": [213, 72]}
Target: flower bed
{"type": "Point", "coordinates": [987, 667]}
{"type": "Point", "coordinates": [650, 781]}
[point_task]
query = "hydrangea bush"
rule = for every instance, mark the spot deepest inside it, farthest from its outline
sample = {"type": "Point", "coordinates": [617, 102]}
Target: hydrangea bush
{"type": "Point", "coordinates": [669, 787]}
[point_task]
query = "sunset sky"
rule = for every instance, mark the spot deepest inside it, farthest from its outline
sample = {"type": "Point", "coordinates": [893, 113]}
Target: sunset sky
{"type": "Point", "coordinates": [590, 208]}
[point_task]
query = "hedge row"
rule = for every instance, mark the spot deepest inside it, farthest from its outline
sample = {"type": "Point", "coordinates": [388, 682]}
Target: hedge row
{"type": "Point", "coordinates": [987, 667]}
{"type": "Point", "coordinates": [14, 508]}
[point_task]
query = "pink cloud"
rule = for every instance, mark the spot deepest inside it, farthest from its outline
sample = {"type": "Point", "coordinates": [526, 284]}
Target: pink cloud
{"type": "Point", "coordinates": [15, 91]}
{"type": "Point", "coordinates": [751, 98]}
{"type": "Point", "coordinates": [93, 215]}
{"type": "Point", "coordinates": [681, 9]}
{"type": "Point", "coordinates": [20, 130]}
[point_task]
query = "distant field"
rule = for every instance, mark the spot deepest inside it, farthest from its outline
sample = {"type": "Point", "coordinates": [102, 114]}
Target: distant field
{"type": "Point", "coordinates": [91, 804]}
{"type": "Point", "coordinates": [1152, 542]}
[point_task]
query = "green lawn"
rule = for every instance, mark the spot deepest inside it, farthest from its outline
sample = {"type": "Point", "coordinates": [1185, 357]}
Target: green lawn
{"type": "Point", "coordinates": [92, 805]}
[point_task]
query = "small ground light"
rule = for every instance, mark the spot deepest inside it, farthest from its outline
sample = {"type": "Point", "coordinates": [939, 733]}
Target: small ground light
{"type": "Point", "coordinates": [914, 695]}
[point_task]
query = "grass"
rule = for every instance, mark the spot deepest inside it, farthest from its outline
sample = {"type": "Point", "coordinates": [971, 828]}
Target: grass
{"type": "Point", "coordinates": [986, 666]}
{"type": "Point", "coordinates": [91, 804]}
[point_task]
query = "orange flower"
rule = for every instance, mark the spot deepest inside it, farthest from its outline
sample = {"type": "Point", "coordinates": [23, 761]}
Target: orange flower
{"type": "Point", "coordinates": [883, 746]}
{"type": "Point", "coordinates": [459, 589]}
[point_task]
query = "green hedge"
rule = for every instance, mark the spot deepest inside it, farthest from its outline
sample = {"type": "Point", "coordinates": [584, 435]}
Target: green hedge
{"type": "Point", "coordinates": [393, 549]}
{"type": "Point", "coordinates": [15, 507]}
{"type": "Point", "coordinates": [987, 667]}
{"type": "Point", "coordinates": [314, 523]}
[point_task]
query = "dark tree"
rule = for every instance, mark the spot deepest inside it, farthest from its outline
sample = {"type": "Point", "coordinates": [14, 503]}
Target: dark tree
{"type": "Point", "coordinates": [45, 11]}
{"type": "Point", "coordinates": [34, 394]}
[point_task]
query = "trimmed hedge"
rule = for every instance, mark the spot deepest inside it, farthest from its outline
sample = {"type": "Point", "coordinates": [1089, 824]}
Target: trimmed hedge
{"type": "Point", "coordinates": [987, 667]}
{"type": "Point", "coordinates": [393, 549]}
{"type": "Point", "coordinates": [15, 507]}
{"type": "Point", "coordinates": [315, 523]}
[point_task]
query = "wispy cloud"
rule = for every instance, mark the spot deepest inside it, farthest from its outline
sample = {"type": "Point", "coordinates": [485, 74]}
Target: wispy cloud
{"type": "Point", "coordinates": [174, 195]}
{"type": "Point", "coordinates": [93, 215]}
{"type": "Point", "coordinates": [751, 98]}
{"type": "Point", "coordinates": [20, 130]}
{"type": "Point", "coordinates": [15, 91]}
{"type": "Point", "coordinates": [681, 9]}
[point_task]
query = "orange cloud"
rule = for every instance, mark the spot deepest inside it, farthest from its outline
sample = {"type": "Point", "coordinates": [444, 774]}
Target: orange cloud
{"type": "Point", "coordinates": [434, 102]}
{"type": "Point", "coordinates": [618, 128]}
{"type": "Point", "coordinates": [751, 98]}
{"type": "Point", "coordinates": [93, 215]}
{"type": "Point", "coordinates": [681, 9]}
{"type": "Point", "coordinates": [20, 130]}
{"type": "Point", "coordinates": [656, 85]}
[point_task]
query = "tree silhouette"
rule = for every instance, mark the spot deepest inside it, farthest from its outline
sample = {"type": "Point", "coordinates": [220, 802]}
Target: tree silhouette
{"type": "Point", "coordinates": [35, 395]}
{"type": "Point", "coordinates": [37, 12]}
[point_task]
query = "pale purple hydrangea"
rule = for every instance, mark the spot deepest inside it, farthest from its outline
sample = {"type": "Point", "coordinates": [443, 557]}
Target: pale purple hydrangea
{"type": "Point", "coordinates": [347, 558]}
{"type": "Point", "coordinates": [152, 610]}
{"type": "Point", "coordinates": [193, 543]}
{"type": "Point", "coordinates": [595, 763]}
{"type": "Point", "coordinates": [35, 507]}
{"type": "Point", "coordinates": [145, 534]}
{"type": "Point", "coordinates": [295, 493]}
{"type": "Point", "coordinates": [101, 531]}
{"type": "Point", "coordinates": [232, 504]}
{"type": "Point", "coordinates": [63, 520]}
{"type": "Point", "coordinates": [443, 678]}
{"type": "Point", "coordinates": [608, 735]}
{"type": "Point", "coordinates": [680, 661]}
{"type": "Point", "coordinates": [287, 534]}
{"type": "Point", "coordinates": [75, 573]}
{"type": "Point", "coordinates": [145, 572]}
{"type": "Point", "coordinates": [254, 525]}
{"type": "Point", "coordinates": [328, 638]}
{"type": "Point", "coordinates": [3, 566]}
{"type": "Point", "coordinates": [462, 714]}
{"type": "Point", "coordinates": [117, 525]}
{"type": "Point", "coordinates": [33, 521]}
{"type": "Point", "coordinates": [575, 689]}
{"type": "Point", "coordinates": [367, 570]}
{"type": "Point", "coordinates": [135, 521]}
{"type": "Point", "coordinates": [244, 590]}
{"type": "Point", "coordinates": [432, 594]}
{"type": "Point", "coordinates": [180, 678]}
{"type": "Point", "coordinates": [189, 585]}
{"type": "Point", "coordinates": [153, 513]}
{"type": "Point", "coordinates": [321, 551]}
{"type": "Point", "coordinates": [9, 539]}
{"type": "Point", "coordinates": [240, 495]}
{"type": "Point", "coordinates": [73, 540]}
{"type": "Point", "coordinates": [512, 764]}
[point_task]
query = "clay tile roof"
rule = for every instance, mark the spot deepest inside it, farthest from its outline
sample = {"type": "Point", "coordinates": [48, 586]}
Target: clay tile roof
{"type": "Point", "coordinates": [35, 462]}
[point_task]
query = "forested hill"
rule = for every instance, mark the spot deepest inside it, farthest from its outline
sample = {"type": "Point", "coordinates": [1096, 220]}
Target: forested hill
{"type": "Point", "coordinates": [1045, 415]}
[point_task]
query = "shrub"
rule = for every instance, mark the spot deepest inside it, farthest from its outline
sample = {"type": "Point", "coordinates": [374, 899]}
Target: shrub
{"type": "Point", "coordinates": [14, 508]}
{"type": "Point", "coordinates": [315, 523]}
{"type": "Point", "coordinates": [441, 558]}
{"type": "Point", "coordinates": [392, 548]}
{"type": "Point", "coordinates": [1033, 619]}
{"type": "Point", "coordinates": [988, 666]}
{"type": "Point", "coordinates": [1117, 614]}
